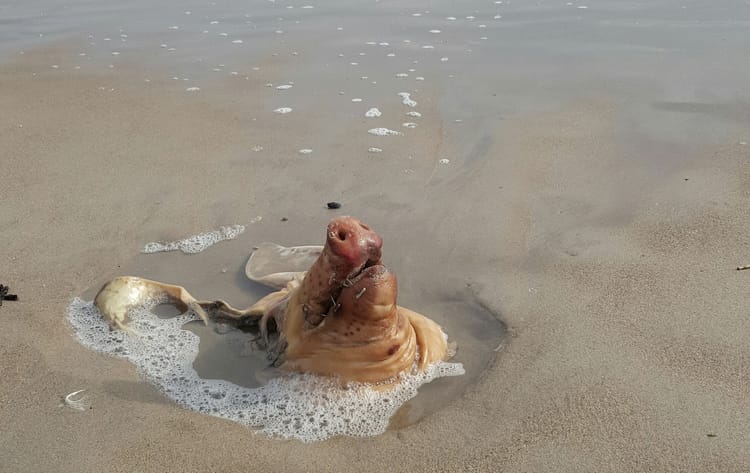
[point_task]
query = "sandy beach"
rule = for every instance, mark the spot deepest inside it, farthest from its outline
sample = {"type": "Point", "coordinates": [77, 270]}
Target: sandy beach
{"type": "Point", "coordinates": [593, 217]}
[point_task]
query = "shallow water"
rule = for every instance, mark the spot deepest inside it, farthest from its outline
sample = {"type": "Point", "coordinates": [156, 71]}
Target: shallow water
{"type": "Point", "coordinates": [476, 59]}
{"type": "Point", "coordinates": [468, 66]}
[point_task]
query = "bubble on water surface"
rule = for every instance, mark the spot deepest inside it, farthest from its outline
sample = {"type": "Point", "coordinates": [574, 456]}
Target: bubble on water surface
{"type": "Point", "coordinates": [383, 132]}
{"type": "Point", "coordinates": [406, 99]}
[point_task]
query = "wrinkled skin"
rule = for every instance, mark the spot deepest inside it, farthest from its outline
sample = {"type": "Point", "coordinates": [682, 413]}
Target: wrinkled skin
{"type": "Point", "coordinates": [338, 319]}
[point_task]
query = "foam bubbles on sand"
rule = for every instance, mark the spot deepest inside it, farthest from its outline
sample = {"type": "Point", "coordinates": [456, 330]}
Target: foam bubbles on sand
{"type": "Point", "coordinates": [406, 99]}
{"type": "Point", "coordinates": [383, 132]}
{"type": "Point", "coordinates": [374, 150]}
{"type": "Point", "coordinates": [373, 113]}
{"type": "Point", "coordinates": [304, 407]}
{"type": "Point", "coordinates": [282, 110]}
{"type": "Point", "coordinates": [196, 243]}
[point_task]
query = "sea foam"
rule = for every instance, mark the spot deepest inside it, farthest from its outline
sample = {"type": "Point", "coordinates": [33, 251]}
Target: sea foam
{"type": "Point", "coordinates": [299, 406]}
{"type": "Point", "coordinates": [196, 243]}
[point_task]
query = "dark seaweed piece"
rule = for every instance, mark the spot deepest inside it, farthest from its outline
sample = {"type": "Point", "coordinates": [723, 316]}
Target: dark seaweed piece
{"type": "Point", "coordinates": [5, 296]}
{"type": "Point", "coordinates": [333, 205]}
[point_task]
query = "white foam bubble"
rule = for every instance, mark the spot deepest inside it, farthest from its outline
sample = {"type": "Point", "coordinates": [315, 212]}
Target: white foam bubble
{"type": "Point", "coordinates": [282, 110]}
{"type": "Point", "coordinates": [383, 132]}
{"type": "Point", "coordinates": [409, 125]}
{"type": "Point", "coordinates": [373, 113]}
{"type": "Point", "coordinates": [414, 113]}
{"type": "Point", "coordinates": [305, 151]}
{"type": "Point", "coordinates": [284, 87]}
{"type": "Point", "coordinates": [303, 407]}
{"type": "Point", "coordinates": [406, 99]}
{"type": "Point", "coordinates": [196, 243]}
{"type": "Point", "coordinates": [374, 150]}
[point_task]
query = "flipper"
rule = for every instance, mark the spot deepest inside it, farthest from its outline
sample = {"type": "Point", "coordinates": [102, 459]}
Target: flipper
{"type": "Point", "coordinates": [275, 266]}
{"type": "Point", "coordinates": [122, 294]}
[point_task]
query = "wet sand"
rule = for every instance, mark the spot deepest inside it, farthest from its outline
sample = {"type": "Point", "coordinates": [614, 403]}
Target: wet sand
{"type": "Point", "coordinates": [601, 219]}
